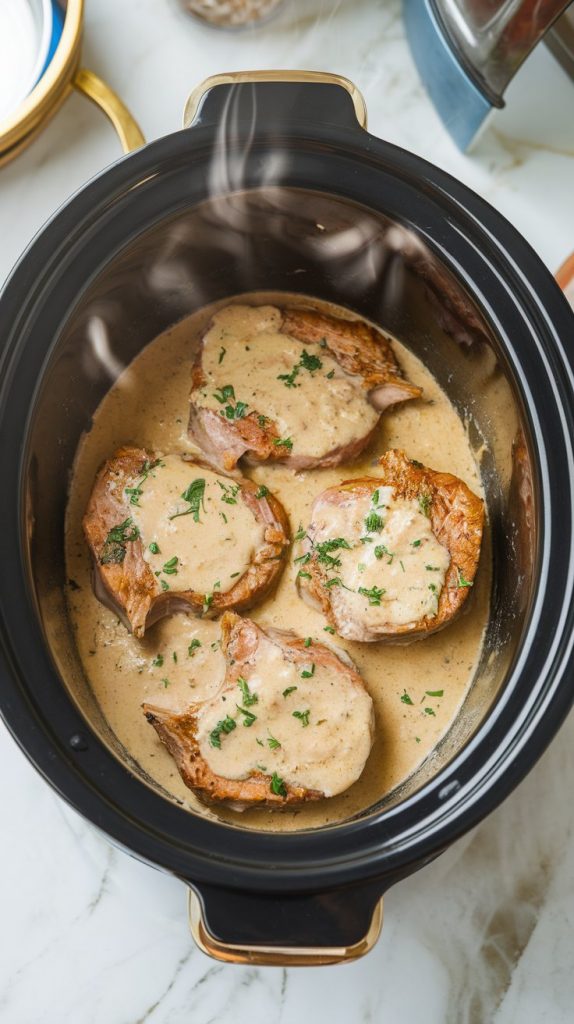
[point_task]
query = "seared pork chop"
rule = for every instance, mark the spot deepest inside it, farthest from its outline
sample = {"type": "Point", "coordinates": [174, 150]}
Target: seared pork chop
{"type": "Point", "coordinates": [392, 556]}
{"type": "Point", "coordinates": [167, 533]}
{"type": "Point", "coordinates": [292, 722]}
{"type": "Point", "coordinates": [291, 385]}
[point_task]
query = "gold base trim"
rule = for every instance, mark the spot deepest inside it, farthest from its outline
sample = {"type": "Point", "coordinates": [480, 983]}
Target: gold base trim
{"type": "Point", "coordinates": [279, 956]}
{"type": "Point", "coordinates": [237, 77]}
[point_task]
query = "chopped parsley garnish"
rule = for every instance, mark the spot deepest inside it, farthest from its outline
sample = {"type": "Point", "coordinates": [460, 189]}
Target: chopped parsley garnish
{"type": "Point", "coordinates": [308, 672]}
{"type": "Point", "coordinates": [158, 661]}
{"type": "Point", "coordinates": [335, 582]}
{"type": "Point", "coordinates": [374, 594]}
{"type": "Point", "coordinates": [290, 689]}
{"type": "Point", "coordinates": [306, 362]}
{"type": "Point", "coordinates": [381, 550]}
{"type": "Point", "coordinates": [170, 567]}
{"type": "Point", "coordinates": [303, 559]}
{"type": "Point", "coordinates": [262, 420]}
{"type": "Point", "coordinates": [432, 568]}
{"type": "Point", "coordinates": [416, 543]}
{"type": "Point", "coordinates": [308, 641]}
{"type": "Point", "coordinates": [425, 502]}
{"type": "Point", "coordinates": [429, 711]}
{"type": "Point", "coordinates": [248, 697]}
{"type": "Point", "coordinates": [166, 683]}
{"type": "Point", "coordinates": [226, 725]}
{"type": "Point", "coordinates": [222, 352]}
{"type": "Point", "coordinates": [249, 717]}
{"type": "Point", "coordinates": [194, 495]}
{"type": "Point", "coordinates": [328, 629]}
{"type": "Point", "coordinates": [330, 375]}
{"type": "Point", "coordinates": [324, 547]}
{"type": "Point", "coordinates": [273, 743]}
{"type": "Point", "coordinates": [223, 394]}
{"type": "Point", "coordinates": [277, 785]}
{"type": "Point", "coordinates": [174, 656]}
{"type": "Point", "coordinates": [154, 548]}
{"type": "Point", "coordinates": [134, 492]}
{"type": "Point", "coordinates": [207, 601]}
{"type": "Point", "coordinates": [303, 716]}
{"type": "Point", "coordinates": [114, 548]}
{"type": "Point", "coordinates": [194, 645]}
{"type": "Point", "coordinates": [405, 698]}
{"type": "Point", "coordinates": [283, 442]}
{"type": "Point", "coordinates": [164, 584]}
{"type": "Point", "coordinates": [262, 491]}
{"type": "Point", "coordinates": [230, 491]}
{"type": "Point", "coordinates": [373, 522]}
{"type": "Point", "coordinates": [303, 575]}
{"type": "Point", "coordinates": [300, 533]}
{"type": "Point", "coordinates": [461, 582]}
{"type": "Point", "coordinates": [361, 567]}
{"type": "Point", "coordinates": [434, 693]}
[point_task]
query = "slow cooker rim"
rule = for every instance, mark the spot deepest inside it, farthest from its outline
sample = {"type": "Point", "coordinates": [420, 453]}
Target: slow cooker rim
{"type": "Point", "coordinates": [458, 822]}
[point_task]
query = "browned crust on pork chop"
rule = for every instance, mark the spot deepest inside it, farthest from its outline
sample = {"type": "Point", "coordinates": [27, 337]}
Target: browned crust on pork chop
{"type": "Point", "coordinates": [457, 519]}
{"type": "Point", "coordinates": [358, 348]}
{"type": "Point", "coordinates": [130, 587]}
{"type": "Point", "coordinates": [239, 640]}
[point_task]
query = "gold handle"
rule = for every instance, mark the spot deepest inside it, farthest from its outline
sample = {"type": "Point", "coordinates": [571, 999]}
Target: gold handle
{"type": "Point", "coordinates": [277, 956]}
{"type": "Point", "coordinates": [104, 97]}
{"type": "Point", "coordinates": [237, 77]}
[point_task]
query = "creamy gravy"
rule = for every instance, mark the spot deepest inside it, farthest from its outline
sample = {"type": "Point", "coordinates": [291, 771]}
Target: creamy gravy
{"type": "Point", "coordinates": [202, 549]}
{"type": "Point", "coordinates": [148, 405]}
{"type": "Point", "coordinates": [314, 403]}
{"type": "Point", "coordinates": [393, 569]}
{"type": "Point", "coordinates": [301, 721]}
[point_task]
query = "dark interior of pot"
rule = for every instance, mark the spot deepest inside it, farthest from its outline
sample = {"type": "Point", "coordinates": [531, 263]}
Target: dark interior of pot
{"type": "Point", "coordinates": [316, 245]}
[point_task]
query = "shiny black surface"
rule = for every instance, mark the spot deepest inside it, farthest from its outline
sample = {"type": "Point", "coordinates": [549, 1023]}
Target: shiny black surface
{"type": "Point", "coordinates": [100, 256]}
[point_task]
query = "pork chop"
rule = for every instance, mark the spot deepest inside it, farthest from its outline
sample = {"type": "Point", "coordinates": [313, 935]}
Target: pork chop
{"type": "Point", "coordinates": [167, 533]}
{"type": "Point", "coordinates": [292, 722]}
{"type": "Point", "coordinates": [293, 386]}
{"type": "Point", "coordinates": [391, 556]}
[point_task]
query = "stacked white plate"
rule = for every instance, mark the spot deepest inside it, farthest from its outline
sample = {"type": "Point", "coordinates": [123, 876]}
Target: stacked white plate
{"type": "Point", "coordinates": [26, 29]}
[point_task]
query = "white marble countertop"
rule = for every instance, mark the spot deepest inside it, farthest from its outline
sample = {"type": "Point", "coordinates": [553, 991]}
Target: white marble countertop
{"type": "Point", "coordinates": [486, 933]}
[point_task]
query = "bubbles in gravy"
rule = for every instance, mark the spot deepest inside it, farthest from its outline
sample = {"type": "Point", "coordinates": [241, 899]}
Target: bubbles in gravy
{"type": "Point", "coordinates": [416, 689]}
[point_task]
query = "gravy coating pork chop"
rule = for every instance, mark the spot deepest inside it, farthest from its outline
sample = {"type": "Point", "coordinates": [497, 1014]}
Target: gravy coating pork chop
{"type": "Point", "coordinates": [290, 385]}
{"type": "Point", "coordinates": [393, 556]}
{"type": "Point", "coordinates": [167, 533]}
{"type": "Point", "coordinates": [292, 722]}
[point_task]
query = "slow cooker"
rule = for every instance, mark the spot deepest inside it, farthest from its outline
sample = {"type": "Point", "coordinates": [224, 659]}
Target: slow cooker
{"type": "Point", "coordinates": [274, 183]}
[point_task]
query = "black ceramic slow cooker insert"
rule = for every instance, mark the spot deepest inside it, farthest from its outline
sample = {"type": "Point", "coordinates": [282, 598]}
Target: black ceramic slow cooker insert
{"type": "Point", "coordinates": [275, 184]}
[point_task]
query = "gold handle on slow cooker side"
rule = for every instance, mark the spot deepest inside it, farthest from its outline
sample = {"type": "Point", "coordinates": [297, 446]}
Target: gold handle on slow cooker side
{"type": "Point", "coordinates": [106, 99]}
{"type": "Point", "coordinates": [246, 77]}
{"type": "Point", "coordinates": [277, 956]}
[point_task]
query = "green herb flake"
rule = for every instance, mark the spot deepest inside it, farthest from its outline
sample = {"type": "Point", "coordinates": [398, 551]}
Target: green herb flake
{"type": "Point", "coordinates": [373, 522]}
{"type": "Point", "coordinates": [461, 581]}
{"type": "Point", "coordinates": [330, 375]}
{"type": "Point", "coordinates": [272, 743]}
{"type": "Point", "coordinates": [283, 442]}
{"type": "Point", "coordinates": [405, 698]}
{"type": "Point", "coordinates": [154, 548]}
{"type": "Point", "coordinates": [248, 717]}
{"type": "Point", "coordinates": [425, 502]}
{"type": "Point", "coordinates": [248, 697]}
{"type": "Point", "coordinates": [262, 491]}
{"type": "Point", "coordinates": [174, 656]}
{"type": "Point", "coordinates": [301, 533]}
{"type": "Point", "coordinates": [222, 352]}
{"type": "Point", "coordinates": [328, 629]}
{"type": "Point", "coordinates": [158, 661]}
{"type": "Point", "coordinates": [170, 567]}
{"type": "Point", "coordinates": [193, 647]}
{"type": "Point", "coordinates": [303, 716]}
{"type": "Point", "coordinates": [164, 584]}
{"type": "Point", "coordinates": [416, 543]}
{"type": "Point", "coordinates": [308, 641]}
{"type": "Point", "coordinates": [374, 594]}
{"type": "Point", "coordinates": [381, 550]}
{"type": "Point", "coordinates": [308, 672]}
{"type": "Point", "coordinates": [429, 711]}
{"type": "Point", "coordinates": [193, 495]}
{"type": "Point", "coordinates": [166, 683]}
{"type": "Point", "coordinates": [290, 689]}
{"type": "Point", "coordinates": [434, 693]}
{"type": "Point", "coordinates": [277, 786]}
{"type": "Point", "coordinates": [303, 575]}
{"type": "Point", "coordinates": [114, 547]}
{"type": "Point", "coordinates": [222, 395]}
{"type": "Point", "coordinates": [226, 725]}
